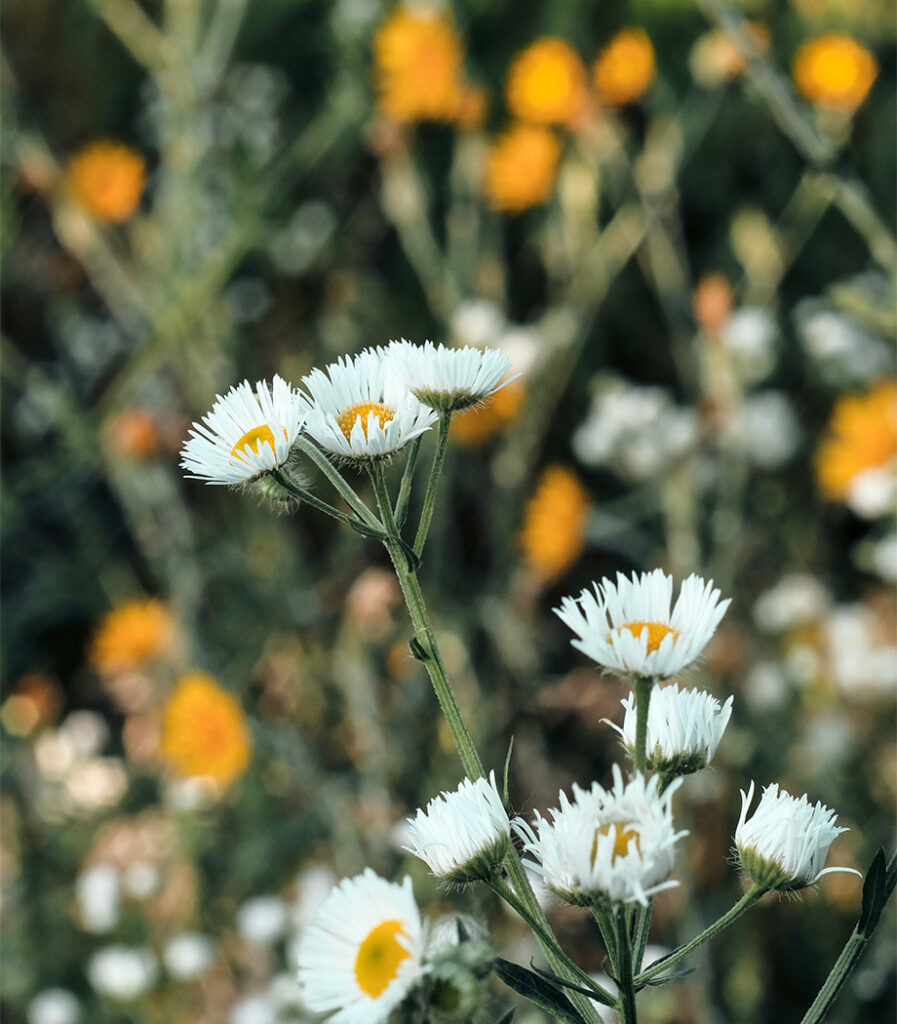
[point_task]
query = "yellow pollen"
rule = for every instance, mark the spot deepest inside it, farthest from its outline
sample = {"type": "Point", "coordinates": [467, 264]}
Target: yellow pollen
{"type": "Point", "coordinates": [379, 956]}
{"type": "Point", "coordinates": [346, 420]}
{"type": "Point", "coordinates": [623, 834]}
{"type": "Point", "coordinates": [254, 439]}
{"type": "Point", "coordinates": [656, 632]}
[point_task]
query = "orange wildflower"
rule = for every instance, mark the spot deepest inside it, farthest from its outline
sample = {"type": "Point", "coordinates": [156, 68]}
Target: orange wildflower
{"type": "Point", "coordinates": [862, 434]}
{"type": "Point", "coordinates": [547, 83]}
{"type": "Point", "coordinates": [521, 168]}
{"type": "Point", "coordinates": [554, 523]}
{"type": "Point", "coordinates": [834, 71]}
{"type": "Point", "coordinates": [134, 432]}
{"type": "Point", "coordinates": [625, 67]}
{"type": "Point", "coordinates": [107, 179]}
{"type": "Point", "coordinates": [475, 426]}
{"type": "Point", "coordinates": [417, 66]}
{"type": "Point", "coordinates": [131, 635]}
{"type": "Point", "coordinates": [712, 302]}
{"type": "Point", "coordinates": [716, 57]}
{"type": "Point", "coordinates": [204, 731]}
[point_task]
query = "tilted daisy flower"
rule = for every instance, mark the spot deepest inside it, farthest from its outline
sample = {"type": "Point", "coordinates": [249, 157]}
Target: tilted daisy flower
{"type": "Point", "coordinates": [606, 846]}
{"type": "Point", "coordinates": [363, 950]}
{"type": "Point", "coordinates": [783, 845]}
{"type": "Point", "coordinates": [463, 835]}
{"type": "Point", "coordinates": [247, 433]}
{"type": "Point", "coordinates": [684, 729]}
{"type": "Point", "coordinates": [447, 379]}
{"type": "Point", "coordinates": [629, 627]}
{"type": "Point", "coordinates": [360, 409]}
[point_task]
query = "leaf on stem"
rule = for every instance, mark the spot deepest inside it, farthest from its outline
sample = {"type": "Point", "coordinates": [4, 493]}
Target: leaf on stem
{"type": "Point", "coordinates": [538, 991]}
{"type": "Point", "coordinates": [412, 560]}
{"type": "Point", "coordinates": [877, 889]}
{"type": "Point", "coordinates": [504, 791]}
{"type": "Point", "coordinates": [592, 993]}
{"type": "Point", "coordinates": [667, 979]}
{"type": "Point", "coordinates": [418, 650]}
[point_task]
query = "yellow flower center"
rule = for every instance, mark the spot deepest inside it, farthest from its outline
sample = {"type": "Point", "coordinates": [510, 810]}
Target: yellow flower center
{"type": "Point", "coordinates": [623, 834]}
{"type": "Point", "coordinates": [657, 631]}
{"type": "Point", "coordinates": [346, 420]}
{"type": "Point", "coordinates": [379, 956]}
{"type": "Point", "coordinates": [253, 439]}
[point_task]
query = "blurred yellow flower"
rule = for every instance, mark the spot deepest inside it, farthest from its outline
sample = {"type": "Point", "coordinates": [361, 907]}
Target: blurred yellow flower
{"type": "Point", "coordinates": [554, 523]}
{"type": "Point", "coordinates": [547, 83]}
{"type": "Point", "coordinates": [862, 434]}
{"type": "Point", "coordinates": [716, 58]}
{"type": "Point", "coordinates": [107, 179]}
{"type": "Point", "coordinates": [204, 732]}
{"type": "Point", "coordinates": [521, 168]}
{"type": "Point", "coordinates": [131, 635]}
{"type": "Point", "coordinates": [625, 67]}
{"type": "Point", "coordinates": [834, 71]}
{"type": "Point", "coordinates": [133, 432]}
{"type": "Point", "coordinates": [475, 426]}
{"type": "Point", "coordinates": [417, 65]}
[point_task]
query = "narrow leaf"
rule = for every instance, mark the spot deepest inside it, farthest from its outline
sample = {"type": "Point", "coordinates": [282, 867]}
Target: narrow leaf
{"type": "Point", "coordinates": [667, 979]}
{"type": "Point", "coordinates": [504, 791]}
{"type": "Point", "coordinates": [532, 987]}
{"type": "Point", "coordinates": [553, 979]}
{"type": "Point", "coordinates": [418, 650]}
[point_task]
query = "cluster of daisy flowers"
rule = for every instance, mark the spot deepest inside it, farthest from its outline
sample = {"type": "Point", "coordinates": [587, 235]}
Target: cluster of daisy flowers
{"type": "Point", "coordinates": [358, 409]}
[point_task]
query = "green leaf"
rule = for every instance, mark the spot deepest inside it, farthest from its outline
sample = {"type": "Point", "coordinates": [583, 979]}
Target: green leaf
{"type": "Point", "coordinates": [667, 979]}
{"type": "Point", "coordinates": [412, 560]}
{"type": "Point", "coordinates": [540, 992]}
{"type": "Point", "coordinates": [504, 792]}
{"type": "Point", "coordinates": [877, 889]}
{"type": "Point", "coordinates": [418, 650]}
{"type": "Point", "coordinates": [560, 982]}
{"type": "Point", "coordinates": [365, 530]}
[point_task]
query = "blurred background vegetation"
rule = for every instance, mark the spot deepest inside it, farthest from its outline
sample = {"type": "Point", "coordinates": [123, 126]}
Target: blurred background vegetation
{"type": "Point", "coordinates": [679, 227]}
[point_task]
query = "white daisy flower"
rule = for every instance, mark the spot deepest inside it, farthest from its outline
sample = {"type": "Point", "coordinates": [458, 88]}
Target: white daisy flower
{"type": "Point", "coordinates": [247, 433]}
{"type": "Point", "coordinates": [606, 846]}
{"type": "Point", "coordinates": [785, 843]}
{"type": "Point", "coordinates": [684, 729]}
{"type": "Point", "coordinates": [362, 952]}
{"type": "Point", "coordinates": [360, 408]}
{"type": "Point", "coordinates": [463, 835]}
{"type": "Point", "coordinates": [630, 629]}
{"type": "Point", "coordinates": [447, 379]}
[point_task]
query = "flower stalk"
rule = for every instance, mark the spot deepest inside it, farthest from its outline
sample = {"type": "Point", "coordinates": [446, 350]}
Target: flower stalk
{"type": "Point", "coordinates": [643, 689]}
{"type": "Point", "coordinates": [426, 515]}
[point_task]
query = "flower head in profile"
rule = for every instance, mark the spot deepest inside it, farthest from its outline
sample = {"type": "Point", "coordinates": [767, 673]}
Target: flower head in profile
{"type": "Point", "coordinates": [521, 168]}
{"type": "Point", "coordinates": [247, 433]}
{"type": "Point", "coordinates": [783, 845]}
{"type": "Point", "coordinates": [448, 379]}
{"type": "Point", "coordinates": [418, 65]}
{"type": "Point", "coordinates": [606, 845]}
{"type": "Point", "coordinates": [107, 179]}
{"type": "Point", "coordinates": [360, 409]}
{"type": "Point", "coordinates": [625, 67]}
{"type": "Point", "coordinates": [834, 71]}
{"type": "Point", "coordinates": [204, 733]}
{"type": "Point", "coordinates": [633, 629]}
{"type": "Point", "coordinates": [553, 534]}
{"type": "Point", "coordinates": [132, 635]}
{"type": "Point", "coordinates": [684, 729]}
{"type": "Point", "coordinates": [547, 83]}
{"type": "Point", "coordinates": [463, 835]}
{"type": "Point", "coordinates": [363, 951]}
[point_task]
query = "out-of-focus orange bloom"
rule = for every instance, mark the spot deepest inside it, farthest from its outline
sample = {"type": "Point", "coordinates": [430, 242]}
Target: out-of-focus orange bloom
{"type": "Point", "coordinates": [107, 179]}
{"type": "Point", "coordinates": [712, 302]}
{"type": "Point", "coordinates": [554, 523]}
{"type": "Point", "coordinates": [417, 66]}
{"type": "Point", "coordinates": [521, 168]}
{"type": "Point", "coordinates": [862, 434]}
{"type": "Point", "coordinates": [716, 58]}
{"type": "Point", "coordinates": [475, 426]}
{"type": "Point", "coordinates": [625, 67]}
{"type": "Point", "coordinates": [34, 701]}
{"type": "Point", "coordinates": [133, 432]}
{"type": "Point", "coordinates": [473, 108]}
{"type": "Point", "coordinates": [204, 732]}
{"type": "Point", "coordinates": [131, 635]}
{"type": "Point", "coordinates": [547, 83]}
{"type": "Point", "coordinates": [834, 71]}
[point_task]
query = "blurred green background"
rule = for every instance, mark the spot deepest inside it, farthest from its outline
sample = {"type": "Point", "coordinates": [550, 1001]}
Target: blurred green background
{"type": "Point", "coordinates": [701, 303]}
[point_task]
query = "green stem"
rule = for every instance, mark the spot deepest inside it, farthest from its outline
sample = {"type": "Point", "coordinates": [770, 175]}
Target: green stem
{"type": "Point", "coordinates": [548, 941]}
{"type": "Point", "coordinates": [608, 935]}
{"type": "Point", "coordinates": [643, 927]}
{"type": "Point", "coordinates": [426, 647]}
{"type": "Point", "coordinates": [746, 902]}
{"type": "Point", "coordinates": [642, 701]}
{"type": "Point", "coordinates": [433, 483]}
{"type": "Point", "coordinates": [841, 971]}
{"type": "Point", "coordinates": [405, 487]}
{"type": "Point", "coordinates": [304, 495]}
{"type": "Point", "coordinates": [624, 968]}
{"type": "Point", "coordinates": [329, 470]}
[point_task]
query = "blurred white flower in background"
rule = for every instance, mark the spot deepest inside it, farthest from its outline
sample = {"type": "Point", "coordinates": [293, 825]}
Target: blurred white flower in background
{"type": "Point", "coordinates": [860, 653]}
{"type": "Point", "coordinates": [843, 351]}
{"type": "Point", "coordinates": [97, 898]}
{"type": "Point", "coordinates": [188, 954]}
{"type": "Point", "coordinates": [253, 1010]}
{"type": "Point", "coordinates": [477, 322]}
{"type": "Point", "coordinates": [797, 599]}
{"type": "Point", "coordinates": [750, 335]}
{"type": "Point", "coordinates": [767, 428]}
{"type": "Point", "coordinates": [122, 972]}
{"type": "Point", "coordinates": [262, 920]}
{"type": "Point", "coordinates": [54, 1006]}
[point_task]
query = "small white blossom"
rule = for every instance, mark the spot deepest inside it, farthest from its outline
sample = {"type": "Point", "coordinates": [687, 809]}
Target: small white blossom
{"type": "Point", "coordinates": [606, 846]}
{"type": "Point", "coordinates": [684, 729]}
{"type": "Point", "coordinates": [97, 893]}
{"type": "Point", "coordinates": [262, 920]}
{"type": "Point", "coordinates": [54, 1006]}
{"type": "Point", "coordinates": [463, 835]}
{"type": "Point", "coordinates": [750, 335]}
{"type": "Point", "coordinates": [630, 628]}
{"type": "Point", "coordinates": [783, 845]}
{"type": "Point", "coordinates": [797, 599]}
{"type": "Point", "coordinates": [188, 954]}
{"type": "Point", "coordinates": [122, 972]}
{"type": "Point", "coordinates": [446, 379]}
